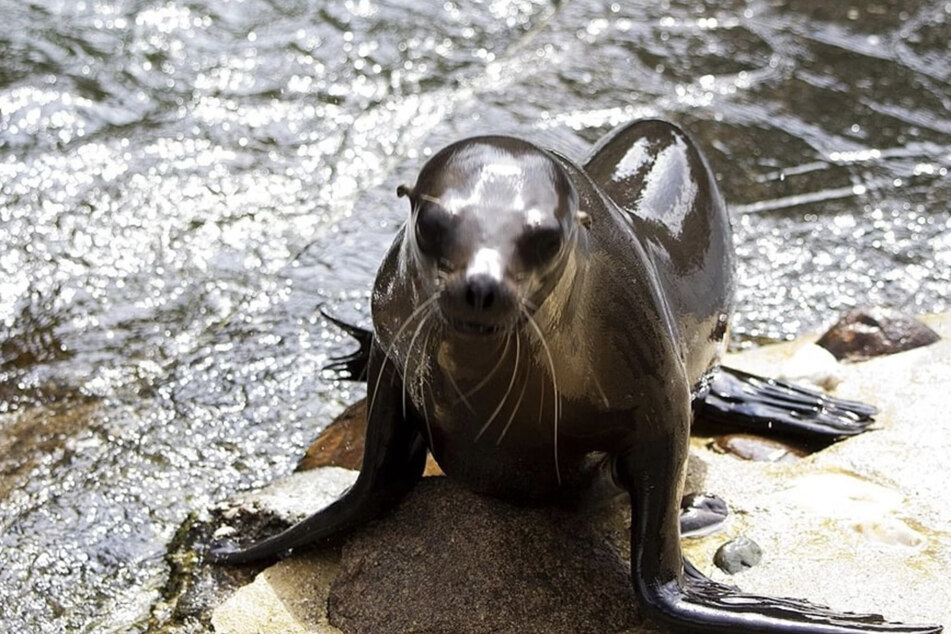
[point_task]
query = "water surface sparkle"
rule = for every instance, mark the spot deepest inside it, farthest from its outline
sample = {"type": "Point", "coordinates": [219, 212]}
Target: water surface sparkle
{"type": "Point", "coordinates": [183, 184]}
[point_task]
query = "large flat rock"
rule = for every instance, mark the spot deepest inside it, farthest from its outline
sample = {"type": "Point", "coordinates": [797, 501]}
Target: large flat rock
{"type": "Point", "coordinates": [865, 524]}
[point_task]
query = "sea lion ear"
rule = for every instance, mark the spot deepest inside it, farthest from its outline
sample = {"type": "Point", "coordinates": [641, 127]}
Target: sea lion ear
{"type": "Point", "coordinates": [583, 218]}
{"type": "Point", "coordinates": [404, 190]}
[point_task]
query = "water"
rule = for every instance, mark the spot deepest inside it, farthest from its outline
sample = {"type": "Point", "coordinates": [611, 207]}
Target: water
{"type": "Point", "coordinates": [182, 184]}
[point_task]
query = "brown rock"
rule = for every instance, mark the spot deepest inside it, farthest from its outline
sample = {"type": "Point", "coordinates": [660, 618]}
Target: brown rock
{"type": "Point", "coordinates": [341, 443]}
{"type": "Point", "coordinates": [863, 333]}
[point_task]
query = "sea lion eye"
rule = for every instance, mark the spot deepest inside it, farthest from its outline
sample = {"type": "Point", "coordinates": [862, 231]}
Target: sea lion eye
{"type": "Point", "coordinates": [432, 228]}
{"type": "Point", "coordinates": [541, 245]}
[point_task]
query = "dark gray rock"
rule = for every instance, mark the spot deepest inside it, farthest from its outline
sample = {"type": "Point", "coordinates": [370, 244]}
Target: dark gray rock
{"type": "Point", "coordinates": [738, 555]}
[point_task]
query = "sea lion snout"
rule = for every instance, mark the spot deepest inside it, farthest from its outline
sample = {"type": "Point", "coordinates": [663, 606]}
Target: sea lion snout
{"type": "Point", "coordinates": [478, 303]}
{"type": "Point", "coordinates": [481, 291]}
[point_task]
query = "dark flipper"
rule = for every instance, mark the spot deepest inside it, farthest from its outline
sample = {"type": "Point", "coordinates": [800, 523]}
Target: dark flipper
{"type": "Point", "coordinates": [789, 615]}
{"type": "Point", "coordinates": [763, 405]}
{"type": "Point", "coordinates": [393, 461]}
{"type": "Point", "coordinates": [673, 593]}
{"type": "Point", "coordinates": [353, 366]}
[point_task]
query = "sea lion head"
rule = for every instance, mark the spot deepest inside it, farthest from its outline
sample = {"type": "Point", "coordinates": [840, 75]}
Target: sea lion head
{"type": "Point", "coordinates": [492, 225]}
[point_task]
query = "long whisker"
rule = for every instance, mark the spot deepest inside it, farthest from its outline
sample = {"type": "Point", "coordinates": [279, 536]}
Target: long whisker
{"type": "Point", "coordinates": [422, 396]}
{"type": "Point", "coordinates": [554, 385]}
{"type": "Point", "coordinates": [518, 350]}
{"type": "Point", "coordinates": [478, 386]}
{"type": "Point", "coordinates": [458, 391]}
{"type": "Point", "coordinates": [419, 309]}
{"type": "Point", "coordinates": [518, 404]}
{"type": "Point", "coordinates": [371, 394]}
{"type": "Point", "coordinates": [409, 354]}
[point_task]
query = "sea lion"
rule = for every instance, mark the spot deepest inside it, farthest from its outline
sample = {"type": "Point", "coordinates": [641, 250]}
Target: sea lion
{"type": "Point", "coordinates": [538, 322]}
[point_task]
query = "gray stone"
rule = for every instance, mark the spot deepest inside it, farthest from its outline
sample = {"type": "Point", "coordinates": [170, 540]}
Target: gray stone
{"type": "Point", "coordinates": [738, 555]}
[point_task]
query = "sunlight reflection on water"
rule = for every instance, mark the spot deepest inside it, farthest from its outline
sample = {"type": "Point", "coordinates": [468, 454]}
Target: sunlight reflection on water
{"type": "Point", "coordinates": [182, 185]}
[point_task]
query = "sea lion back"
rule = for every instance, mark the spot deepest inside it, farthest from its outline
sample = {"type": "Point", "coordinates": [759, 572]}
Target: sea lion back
{"type": "Point", "coordinates": [658, 178]}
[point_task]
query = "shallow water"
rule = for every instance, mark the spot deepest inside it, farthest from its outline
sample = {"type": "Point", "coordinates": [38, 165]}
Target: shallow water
{"type": "Point", "coordinates": [182, 184]}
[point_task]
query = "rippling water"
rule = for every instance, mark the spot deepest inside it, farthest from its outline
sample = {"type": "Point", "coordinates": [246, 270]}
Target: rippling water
{"type": "Point", "coordinates": [183, 183]}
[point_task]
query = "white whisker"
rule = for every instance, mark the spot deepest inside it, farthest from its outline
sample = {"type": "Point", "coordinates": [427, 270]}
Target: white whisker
{"type": "Point", "coordinates": [554, 385]}
{"type": "Point", "coordinates": [518, 404]}
{"type": "Point", "coordinates": [462, 396]}
{"type": "Point", "coordinates": [422, 396]}
{"type": "Point", "coordinates": [409, 354]}
{"type": "Point", "coordinates": [518, 350]}
{"type": "Point", "coordinates": [371, 394]}
{"type": "Point", "coordinates": [478, 386]}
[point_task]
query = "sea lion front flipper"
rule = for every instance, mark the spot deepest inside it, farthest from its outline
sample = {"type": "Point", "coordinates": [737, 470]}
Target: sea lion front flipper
{"type": "Point", "coordinates": [674, 593]}
{"type": "Point", "coordinates": [353, 366]}
{"type": "Point", "coordinates": [393, 460]}
{"type": "Point", "coordinates": [740, 399]}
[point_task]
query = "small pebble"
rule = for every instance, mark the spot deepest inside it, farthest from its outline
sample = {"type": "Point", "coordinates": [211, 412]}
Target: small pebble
{"type": "Point", "coordinates": [891, 531]}
{"type": "Point", "coordinates": [814, 365]}
{"type": "Point", "coordinates": [756, 448]}
{"type": "Point", "coordinates": [737, 555]}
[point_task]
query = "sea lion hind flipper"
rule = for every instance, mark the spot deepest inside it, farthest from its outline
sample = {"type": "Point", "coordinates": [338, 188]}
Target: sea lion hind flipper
{"type": "Point", "coordinates": [675, 594]}
{"type": "Point", "coordinates": [353, 366]}
{"type": "Point", "coordinates": [785, 615]}
{"type": "Point", "coordinates": [393, 461]}
{"type": "Point", "coordinates": [763, 405]}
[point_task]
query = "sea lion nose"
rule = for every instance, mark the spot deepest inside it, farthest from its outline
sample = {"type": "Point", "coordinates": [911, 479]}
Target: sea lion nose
{"type": "Point", "coordinates": [479, 299]}
{"type": "Point", "coordinates": [481, 291]}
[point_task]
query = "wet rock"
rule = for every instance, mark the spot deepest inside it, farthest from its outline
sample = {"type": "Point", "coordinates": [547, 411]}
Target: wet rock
{"type": "Point", "coordinates": [341, 443]}
{"type": "Point", "coordinates": [864, 333]}
{"type": "Point", "coordinates": [197, 587]}
{"type": "Point", "coordinates": [823, 519]}
{"type": "Point", "coordinates": [757, 448]}
{"type": "Point", "coordinates": [194, 587]}
{"type": "Point", "coordinates": [869, 512]}
{"type": "Point", "coordinates": [702, 514]}
{"type": "Point", "coordinates": [738, 555]}
{"type": "Point", "coordinates": [448, 560]}
{"type": "Point", "coordinates": [254, 514]}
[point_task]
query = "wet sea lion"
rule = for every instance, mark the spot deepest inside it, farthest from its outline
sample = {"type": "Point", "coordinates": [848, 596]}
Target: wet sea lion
{"type": "Point", "coordinates": [537, 323]}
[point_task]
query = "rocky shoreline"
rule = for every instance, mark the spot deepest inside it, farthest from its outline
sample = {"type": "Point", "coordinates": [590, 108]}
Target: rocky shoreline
{"type": "Point", "coordinates": [862, 524]}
